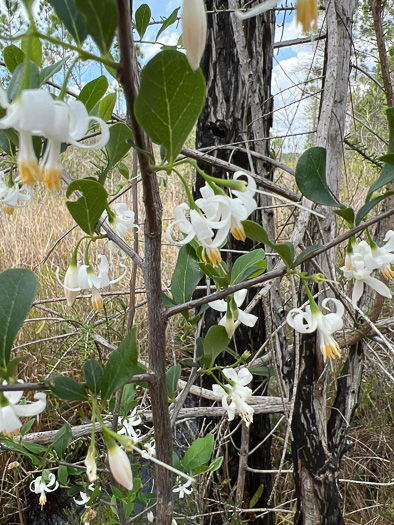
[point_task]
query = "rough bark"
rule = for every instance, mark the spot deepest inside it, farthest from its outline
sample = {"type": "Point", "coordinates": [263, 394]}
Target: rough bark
{"type": "Point", "coordinates": [237, 65]}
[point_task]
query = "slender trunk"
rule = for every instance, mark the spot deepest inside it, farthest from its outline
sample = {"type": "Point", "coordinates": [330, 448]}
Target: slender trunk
{"type": "Point", "coordinates": [152, 271]}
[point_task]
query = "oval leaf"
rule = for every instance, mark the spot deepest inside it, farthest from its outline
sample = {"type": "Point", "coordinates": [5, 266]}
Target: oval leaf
{"type": "Point", "coordinates": [199, 453]}
{"type": "Point", "coordinates": [67, 389]}
{"type": "Point", "coordinates": [142, 19]}
{"type": "Point", "coordinates": [13, 56]}
{"type": "Point", "coordinates": [186, 276]}
{"type": "Point", "coordinates": [101, 18]}
{"type": "Point", "coordinates": [170, 100]}
{"type": "Point", "coordinates": [310, 177]}
{"type": "Point", "coordinates": [214, 343]}
{"type": "Point", "coordinates": [247, 265]}
{"type": "Point", "coordinates": [71, 17]}
{"type": "Point", "coordinates": [173, 375]}
{"type": "Point", "coordinates": [87, 210]}
{"type": "Point", "coordinates": [93, 91]}
{"type": "Point", "coordinates": [18, 288]}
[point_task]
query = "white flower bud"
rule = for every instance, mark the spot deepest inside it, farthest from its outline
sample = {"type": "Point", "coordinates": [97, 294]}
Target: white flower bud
{"type": "Point", "coordinates": [120, 466]}
{"type": "Point", "coordinates": [150, 517]}
{"type": "Point", "coordinates": [194, 30]}
{"type": "Point", "coordinates": [91, 466]}
{"type": "Point", "coordinates": [71, 283]}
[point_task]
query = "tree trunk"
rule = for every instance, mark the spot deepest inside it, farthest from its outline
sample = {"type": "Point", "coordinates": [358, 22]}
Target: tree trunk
{"type": "Point", "coordinates": [237, 65]}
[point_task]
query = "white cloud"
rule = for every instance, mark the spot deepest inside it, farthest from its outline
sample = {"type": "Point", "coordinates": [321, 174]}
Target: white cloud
{"type": "Point", "coordinates": [167, 38]}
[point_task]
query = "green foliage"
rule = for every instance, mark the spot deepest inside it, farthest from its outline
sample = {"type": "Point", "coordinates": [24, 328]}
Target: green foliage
{"type": "Point", "coordinates": [173, 375]}
{"type": "Point", "coordinates": [101, 17]}
{"type": "Point", "coordinates": [257, 233]}
{"type": "Point", "coordinates": [169, 21]}
{"type": "Point", "coordinates": [62, 439]}
{"type": "Point", "coordinates": [71, 17]}
{"type": "Point", "coordinates": [13, 56]}
{"type": "Point", "coordinates": [306, 253]}
{"type": "Point", "coordinates": [35, 49]}
{"type": "Point", "coordinates": [170, 100]}
{"type": "Point", "coordinates": [199, 453]}
{"type": "Point", "coordinates": [249, 265]}
{"type": "Point", "coordinates": [186, 276]}
{"type": "Point", "coordinates": [364, 210]}
{"type": "Point", "coordinates": [87, 210]}
{"type": "Point", "coordinates": [118, 146]}
{"type": "Point", "coordinates": [121, 366]}
{"type": "Point", "coordinates": [387, 173]}
{"type": "Point", "coordinates": [142, 19]}
{"type": "Point", "coordinates": [93, 92]}
{"type": "Point", "coordinates": [105, 107]}
{"type": "Point", "coordinates": [214, 343]}
{"type": "Point", "coordinates": [67, 389]}
{"type": "Point", "coordinates": [15, 83]}
{"type": "Point", "coordinates": [347, 214]}
{"type": "Point", "coordinates": [47, 72]}
{"type": "Point", "coordinates": [18, 289]}
{"type": "Point", "coordinates": [310, 176]}
{"type": "Point", "coordinates": [92, 372]}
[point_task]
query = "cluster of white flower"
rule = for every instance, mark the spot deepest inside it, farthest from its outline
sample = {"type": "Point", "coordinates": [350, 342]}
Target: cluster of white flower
{"type": "Point", "coordinates": [363, 259]}
{"type": "Point", "coordinates": [228, 321]}
{"type": "Point", "coordinates": [238, 392]}
{"type": "Point", "coordinates": [12, 194]}
{"type": "Point", "coordinates": [122, 222]}
{"type": "Point", "coordinates": [36, 113]}
{"type": "Point", "coordinates": [40, 486]}
{"type": "Point", "coordinates": [82, 277]}
{"type": "Point", "coordinates": [215, 212]}
{"type": "Point", "coordinates": [11, 410]}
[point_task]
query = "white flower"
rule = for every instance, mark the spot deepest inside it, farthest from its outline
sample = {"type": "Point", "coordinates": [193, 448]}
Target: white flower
{"type": "Point", "coordinates": [380, 258]}
{"type": "Point", "coordinates": [84, 496]}
{"type": "Point", "coordinates": [306, 322]}
{"type": "Point", "coordinates": [150, 450]}
{"type": "Point", "coordinates": [194, 30]}
{"type": "Point", "coordinates": [183, 489]}
{"type": "Point", "coordinates": [88, 279]}
{"type": "Point", "coordinates": [150, 517]}
{"type": "Point", "coordinates": [217, 216]}
{"type": "Point", "coordinates": [120, 466]}
{"type": "Point", "coordinates": [239, 297]}
{"type": "Point", "coordinates": [238, 392]}
{"type": "Point", "coordinates": [26, 114]}
{"type": "Point", "coordinates": [39, 486]}
{"type": "Point", "coordinates": [11, 195]}
{"type": "Point", "coordinates": [122, 224]}
{"type": "Point", "coordinates": [129, 424]}
{"type": "Point", "coordinates": [243, 206]}
{"type": "Point", "coordinates": [10, 410]}
{"type": "Point", "coordinates": [69, 124]}
{"type": "Point", "coordinates": [91, 465]}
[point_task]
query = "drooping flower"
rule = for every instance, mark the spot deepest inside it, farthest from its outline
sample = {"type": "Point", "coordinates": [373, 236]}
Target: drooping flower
{"type": "Point", "coordinates": [39, 486]}
{"type": "Point", "coordinates": [31, 110]}
{"type": "Point", "coordinates": [11, 410]}
{"type": "Point", "coordinates": [243, 206]}
{"type": "Point", "coordinates": [183, 489]}
{"type": "Point", "coordinates": [150, 517]}
{"type": "Point", "coordinates": [12, 194]}
{"type": "Point", "coordinates": [128, 426]}
{"type": "Point", "coordinates": [150, 449]}
{"type": "Point", "coordinates": [312, 319]}
{"type": "Point", "coordinates": [122, 223]}
{"type": "Point", "coordinates": [84, 497]}
{"type": "Point", "coordinates": [194, 31]}
{"type": "Point", "coordinates": [88, 279]}
{"type": "Point", "coordinates": [238, 392]}
{"type": "Point", "coordinates": [91, 465]}
{"type": "Point", "coordinates": [120, 466]}
{"type": "Point", "coordinates": [379, 257]}
{"type": "Point", "coordinates": [307, 14]}
{"type": "Point", "coordinates": [69, 124]}
{"type": "Point", "coordinates": [361, 274]}
{"type": "Point", "coordinates": [222, 306]}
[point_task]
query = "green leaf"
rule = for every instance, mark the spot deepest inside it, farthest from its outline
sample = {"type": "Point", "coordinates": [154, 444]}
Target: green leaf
{"type": "Point", "coordinates": [256, 496]}
{"type": "Point", "coordinates": [216, 464]}
{"type": "Point", "coordinates": [389, 157]}
{"type": "Point", "coordinates": [170, 20]}
{"type": "Point", "coordinates": [67, 389]}
{"type": "Point", "coordinates": [11, 445]}
{"type": "Point", "coordinates": [93, 92]}
{"type": "Point", "coordinates": [306, 253]}
{"type": "Point", "coordinates": [13, 56]}
{"type": "Point", "coordinates": [62, 439]}
{"type": "Point", "coordinates": [257, 233]}
{"type": "Point", "coordinates": [27, 427]}
{"type": "Point", "coordinates": [173, 375]}
{"type": "Point", "coordinates": [142, 19]}
{"type": "Point", "coordinates": [101, 18]}
{"type": "Point", "coordinates": [186, 276]}
{"type": "Point", "coordinates": [310, 176]}
{"type": "Point", "coordinates": [117, 146]}
{"type": "Point", "coordinates": [263, 371]}
{"type": "Point", "coordinates": [364, 210]}
{"type": "Point", "coordinates": [35, 50]}
{"type": "Point", "coordinates": [247, 264]}
{"type": "Point", "coordinates": [106, 106]}
{"type": "Point", "coordinates": [387, 173]}
{"type": "Point", "coordinates": [6, 144]}
{"type": "Point", "coordinates": [17, 292]}
{"type": "Point", "coordinates": [199, 453]}
{"type": "Point", "coordinates": [71, 17]}
{"type": "Point", "coordinates": [49, 71]}
{"type": "Point", "coordinates": [34, 448]}
{"type": "Point", "coordinates": [128, 398]}
{"type": "Point", "coordinates": [214, 343]}
{"type": "Point", "coordinates": [122, 365]}
{"type": "Point", "coordinates": [62, 475]}
{"type": "Point", "coordinates": [87, 210]}
{"type": "Point", "coordinates": [170, 100]}
{"type": "Point", "coordinates": [347, 214]}
{"type": "Point", "coordinates": [17, 77]}
{"type": "Point", "coordinates": [92, 372]}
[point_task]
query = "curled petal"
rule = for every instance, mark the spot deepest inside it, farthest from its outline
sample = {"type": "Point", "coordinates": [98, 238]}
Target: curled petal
{"type": "Point", "coordinates": [303, 322]}
{"type": "Point", "coordinates": [32, 409]}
